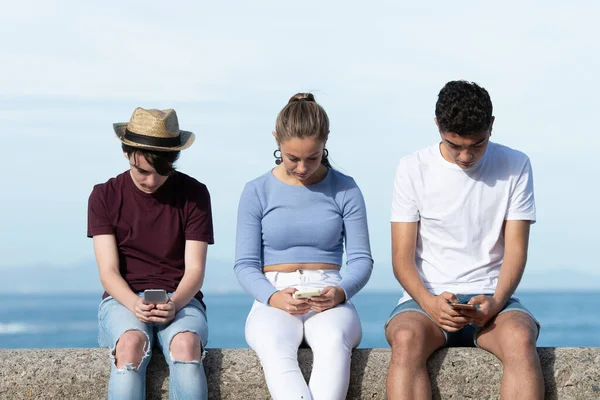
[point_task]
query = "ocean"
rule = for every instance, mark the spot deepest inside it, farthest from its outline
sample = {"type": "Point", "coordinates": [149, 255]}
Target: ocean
{"type": "Point", "coordinates": [568, 319]}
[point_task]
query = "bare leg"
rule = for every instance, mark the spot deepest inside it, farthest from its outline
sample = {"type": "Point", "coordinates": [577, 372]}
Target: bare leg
{"type": "Point", "coordinates": [128, 373]}
{"type": "Point", "coordinates": [511, 337]}
{"type": "Point", "coordinates": [186, 346]}
{"type": "Point", "coordinates": [413, 338]}
{"type": "Point", "coordinates": [130, 349]}
{"type": "Point", "coordinates": [187, 379]}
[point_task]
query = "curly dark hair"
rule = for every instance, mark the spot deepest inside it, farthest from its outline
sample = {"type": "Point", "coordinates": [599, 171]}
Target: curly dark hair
{"type": "Point", "coordinates": [161, 161]}
{"type": "Point", "coordinates": [464, 108]}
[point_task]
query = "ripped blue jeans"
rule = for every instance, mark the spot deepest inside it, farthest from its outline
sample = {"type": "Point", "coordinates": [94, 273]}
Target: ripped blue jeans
{"type": "Point", "coordinates": [186, 378]}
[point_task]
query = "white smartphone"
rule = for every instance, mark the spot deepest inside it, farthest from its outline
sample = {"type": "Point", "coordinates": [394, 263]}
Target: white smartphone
{"type": "Point", "coordinates": [306, 293]}
{"type": "Point", "coordinates": [155, 296]}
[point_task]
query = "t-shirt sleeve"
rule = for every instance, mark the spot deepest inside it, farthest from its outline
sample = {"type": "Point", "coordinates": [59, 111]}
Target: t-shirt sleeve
{"type": "Point", "coordinates": [248, 247]}
{"type": "Point", "coordinates": [521, 204]}
{"type": "Point", "coordinates": [404, 204]}
{"type": "Point", "coordinates": [98, 222]}
{"type": "Point", "coordinates": [199, 224]}
{"type": "Point", "coordinates": [359, 263]}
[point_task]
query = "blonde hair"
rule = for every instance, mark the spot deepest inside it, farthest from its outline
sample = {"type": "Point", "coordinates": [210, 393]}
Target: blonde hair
{"type": "Point", "coordinates": [301, 118]}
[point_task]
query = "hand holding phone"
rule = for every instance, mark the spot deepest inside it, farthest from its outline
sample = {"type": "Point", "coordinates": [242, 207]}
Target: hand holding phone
{"type": "Point", "coordinates": [155, 296]}
{"type": "Point", "coordinates": [306, 293]}
{"type": "Point", "coordinates": [463, 306]}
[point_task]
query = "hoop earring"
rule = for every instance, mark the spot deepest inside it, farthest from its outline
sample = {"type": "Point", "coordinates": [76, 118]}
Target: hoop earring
{"type": "Point", "coordinates": [325, 153]}
{"type": "Point", "coordinates": [278, 159]}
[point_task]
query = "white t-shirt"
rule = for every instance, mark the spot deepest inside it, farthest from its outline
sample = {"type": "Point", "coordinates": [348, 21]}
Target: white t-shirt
{"type": "Point", "coordinates": [461, 212]}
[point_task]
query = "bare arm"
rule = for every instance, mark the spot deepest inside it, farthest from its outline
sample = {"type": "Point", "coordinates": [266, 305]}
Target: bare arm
{"type": "Point", "coordinates": [107, 257]}
{"type": "Point", "coordinates": [516, 240]}
{"type": "Point", "coordinates": [516, 243]}
{"type": "Point", "coordinates": [193, 277]}
{"type": "Point", "coordinates": [404, 242]}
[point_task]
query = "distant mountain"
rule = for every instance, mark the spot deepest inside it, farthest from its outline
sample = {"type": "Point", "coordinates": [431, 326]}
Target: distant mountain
{"type": "Point", "coordinates": [559, 279]}
{"type": "Point", "coordinates": [534, 279]}
{"type": "Point", "coordinates": [83, 277]}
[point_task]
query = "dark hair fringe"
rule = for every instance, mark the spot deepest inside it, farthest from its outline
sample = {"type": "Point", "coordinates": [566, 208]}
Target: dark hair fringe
{"type": "Point", "coordinates": [161, 161]}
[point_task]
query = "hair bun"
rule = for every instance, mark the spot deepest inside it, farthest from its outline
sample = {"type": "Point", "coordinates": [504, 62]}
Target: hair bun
{"type": "Point", "coordinates": [302, 96]}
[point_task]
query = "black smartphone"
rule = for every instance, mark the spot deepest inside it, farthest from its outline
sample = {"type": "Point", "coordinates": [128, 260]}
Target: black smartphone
{"type": "Point", "coordinates": [463, 306]}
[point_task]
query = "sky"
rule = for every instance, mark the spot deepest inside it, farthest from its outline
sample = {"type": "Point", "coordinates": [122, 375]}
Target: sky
{"type": "Point", "coordinates": [70, 69]}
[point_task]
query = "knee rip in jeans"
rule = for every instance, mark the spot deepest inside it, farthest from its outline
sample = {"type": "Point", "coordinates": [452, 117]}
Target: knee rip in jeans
{"type": "Point", "coordinates": [130, 366]}
{"type": "Point", "coordinates": [202, 351]}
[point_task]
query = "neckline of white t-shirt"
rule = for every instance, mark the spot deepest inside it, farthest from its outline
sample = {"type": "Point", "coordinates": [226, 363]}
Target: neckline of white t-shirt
{"type": "Point", "coordinates": [437, 154]}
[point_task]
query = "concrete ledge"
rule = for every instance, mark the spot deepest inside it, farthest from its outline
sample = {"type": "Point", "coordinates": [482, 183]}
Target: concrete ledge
{"type": "Point", "coordinates": [458, 373]}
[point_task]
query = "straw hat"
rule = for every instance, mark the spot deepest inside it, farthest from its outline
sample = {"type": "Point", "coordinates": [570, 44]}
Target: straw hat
{"type": "Point", "coordinates": [154, 130]}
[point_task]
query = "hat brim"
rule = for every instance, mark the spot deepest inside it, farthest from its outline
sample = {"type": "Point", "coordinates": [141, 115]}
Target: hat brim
{"type": "Point", "coordinates": [187, 139]}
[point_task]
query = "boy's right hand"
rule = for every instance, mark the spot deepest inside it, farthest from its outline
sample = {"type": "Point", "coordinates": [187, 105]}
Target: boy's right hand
{"type": "Point", "coordinates": [284, 301]}
{"type": "Point", "coordinates": [142, 310]}
{"type": "Point", "coordinates": [442, 314]}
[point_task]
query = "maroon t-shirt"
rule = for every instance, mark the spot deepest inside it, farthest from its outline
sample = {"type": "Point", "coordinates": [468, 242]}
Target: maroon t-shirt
{"type": "Point", "coordinates": [151, 229]}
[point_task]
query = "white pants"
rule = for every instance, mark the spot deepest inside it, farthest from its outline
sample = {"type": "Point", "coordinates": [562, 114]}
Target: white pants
{"type": "Point", "coordinates": [275, 336]}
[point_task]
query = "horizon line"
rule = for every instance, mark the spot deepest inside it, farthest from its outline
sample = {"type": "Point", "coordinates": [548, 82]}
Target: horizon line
{"type": "Point", "coordinates": [386, 291]}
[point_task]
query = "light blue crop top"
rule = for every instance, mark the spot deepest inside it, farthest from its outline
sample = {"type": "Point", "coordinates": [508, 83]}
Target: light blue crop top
{"type": "Point", "coordinates": [280, 223]}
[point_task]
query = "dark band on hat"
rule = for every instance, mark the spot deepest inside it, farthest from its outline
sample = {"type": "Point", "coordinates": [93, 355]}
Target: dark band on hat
{"type": "Point", "coordinates": [152, 141]}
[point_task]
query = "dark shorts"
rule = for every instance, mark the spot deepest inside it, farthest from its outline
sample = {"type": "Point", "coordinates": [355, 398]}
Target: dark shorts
{"type": "Point", "coordinates": [467, 336]}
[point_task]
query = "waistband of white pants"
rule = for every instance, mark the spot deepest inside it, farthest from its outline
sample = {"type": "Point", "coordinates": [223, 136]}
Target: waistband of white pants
{"type": "Point", "coordinates": [305, 278]}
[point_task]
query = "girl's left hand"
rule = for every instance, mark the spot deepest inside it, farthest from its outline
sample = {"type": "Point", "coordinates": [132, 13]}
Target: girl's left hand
{"type": "Point", "coordinates": [330, 297]}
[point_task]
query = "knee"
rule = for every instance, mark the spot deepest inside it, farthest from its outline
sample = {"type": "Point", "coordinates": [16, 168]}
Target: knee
{"type": "Point", "coordinates": [271, 343]}
{"type": "Point", "coordinates": [407, 345]}
{"type": "Point", "coordinates": [518, 342]}
{"type": "Point", "coordinates": [130, 349]}
{"type": "Point", "coordinates": [403, 338]}
{"type": "Point", "coordinates": [186, 346]}
{"type": "Point", "coordinates": [331, 342]}
{"type": "Point", "coordinates": [270, 351]}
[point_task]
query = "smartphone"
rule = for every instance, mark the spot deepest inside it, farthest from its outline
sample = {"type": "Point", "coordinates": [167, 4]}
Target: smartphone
{"type": "Point", "coordinates": [463, 306]}
{"type": "Point", "coordinates": [306, 293]}
{"type": "Point", "coordinates": [155, 296]}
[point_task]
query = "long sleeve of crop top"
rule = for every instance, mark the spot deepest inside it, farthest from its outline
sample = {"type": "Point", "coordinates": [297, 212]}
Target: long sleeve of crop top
{"type": "Point", "coordinates": [359, 263]}
{"type": "Point", "coordinates": [265, 211]}
{"type": "Point", "coordinates": [248, 247]}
